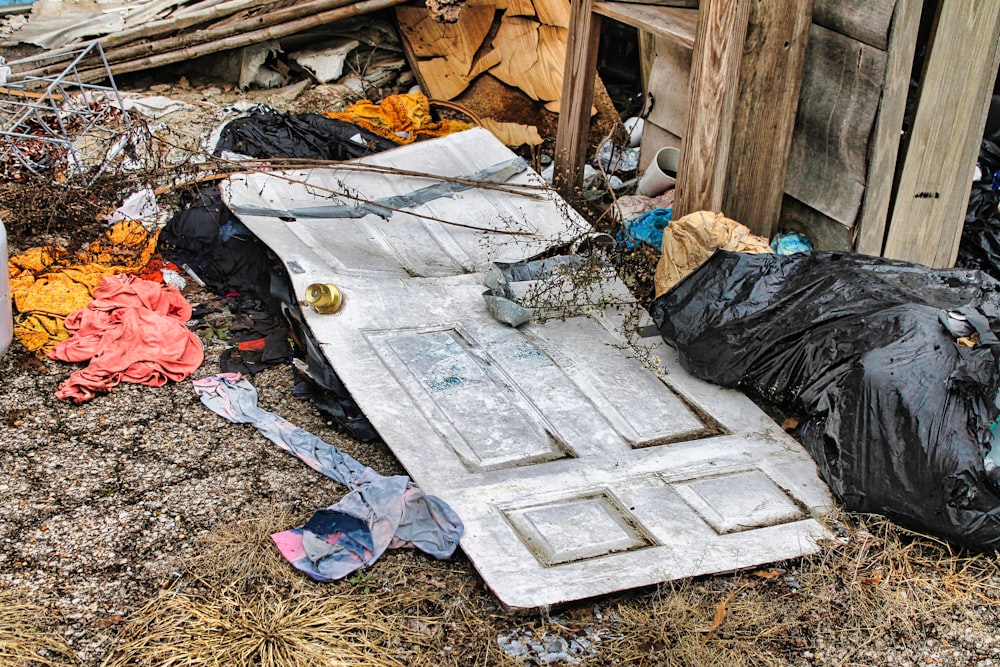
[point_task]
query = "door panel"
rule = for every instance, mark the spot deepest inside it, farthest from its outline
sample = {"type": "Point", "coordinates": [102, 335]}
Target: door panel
{"type": "Point", "coordinates": [577, 470]}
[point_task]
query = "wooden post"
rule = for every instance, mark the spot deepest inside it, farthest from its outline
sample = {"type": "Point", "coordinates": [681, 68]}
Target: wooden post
{"type": "Point", "coordinates": [577, 97]}
{"type": "Point", "coordinates": [746, 74]}
{"type": "Point", "coordinates": [959, 71]}
{"type": "Point", "coordinates": [888, 123]}
{"type": "Point", "coordinates": [715, 71]}
{"type": "Point", "coordinates": [769, 85]}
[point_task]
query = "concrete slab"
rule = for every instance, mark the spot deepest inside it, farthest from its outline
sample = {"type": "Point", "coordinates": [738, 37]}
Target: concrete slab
{"type": "Point", "coordinates": [577, 471]}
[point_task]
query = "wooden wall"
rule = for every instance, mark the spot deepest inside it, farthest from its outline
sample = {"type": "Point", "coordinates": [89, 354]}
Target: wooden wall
{"type": "Point", "coordinates": [845, 142]}
{"type": "Point", "coordinates": [843, 83]}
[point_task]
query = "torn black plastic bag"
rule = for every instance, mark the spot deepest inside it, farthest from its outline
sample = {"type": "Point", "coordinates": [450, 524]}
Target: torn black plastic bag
{"type": "Point", "coordinates": [980, 244]}
{"type": "Point", "coordinates": [898, 411]}
{"type": "Point", "coordinates": [272, 134]}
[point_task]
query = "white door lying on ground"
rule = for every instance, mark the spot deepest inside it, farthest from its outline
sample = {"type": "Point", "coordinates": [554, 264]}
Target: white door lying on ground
{"type": "Point", "coordinates": [577, 471]}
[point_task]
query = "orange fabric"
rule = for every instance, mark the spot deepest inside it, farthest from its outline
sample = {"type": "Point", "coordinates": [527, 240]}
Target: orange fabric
{"type": "Point", "coordinates": [252, 345]}
{"type": "Point", "coordinates": [132, 331]}
{"type": "Point", "coordinates": [400, 118]}
{"type": "Point", "coordinates": [153, 270]}
{"type": "Point", "coordinates": [49, 283]}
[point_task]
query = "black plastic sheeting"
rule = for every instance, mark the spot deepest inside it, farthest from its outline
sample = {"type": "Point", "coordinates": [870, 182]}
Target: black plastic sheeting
{"type": "Point", "coordinates": [272, 134]}
{"type": "Point", "coordinates": [980, 244]}
{"type": "Point", "coordinates": [897, 412]}
{"type": "Point", "coordinates": [236, 266]}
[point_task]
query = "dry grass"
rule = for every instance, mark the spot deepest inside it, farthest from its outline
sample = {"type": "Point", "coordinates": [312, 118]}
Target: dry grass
{"type": "Point", "coordinates": [247, 607]}
{"type": "Point", "coordinates": [875, 581]}
{"type": "Point", "coordinates": [239, 604]}
{"type": "Point", "coordinates": [24, 639]}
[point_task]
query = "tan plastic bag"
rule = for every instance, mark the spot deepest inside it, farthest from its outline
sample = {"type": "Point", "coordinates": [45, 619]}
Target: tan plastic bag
{"type": "Point", "coordinates": [688, 242]}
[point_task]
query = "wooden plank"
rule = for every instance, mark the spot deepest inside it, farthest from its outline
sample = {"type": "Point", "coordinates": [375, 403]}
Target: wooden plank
{"type": "Point", "coordinates": [867, 21]}
{"type": "Point", "coordinates": [691, 4]}
{"type": "Point", "coordinates": [669, 91]}
{"type": "Point", "coordinates": [553, 12]}
{"type": "Point", "coordinates": [888, 123]}
{"type": "Point", "coordinates": [579, 74]}
{"type": "Point", "coordinates": [841, 86]}
{"type": "Point", "coordinates": [715, 75]}
{"type": "Point", "coordinates": [668, 22]}
{"type": "Point", "coordinates": [770, 78]}
{"type": "Point", "coordinates": [955, 90]}
{"type": "Point", "coordinates": [823, 232]}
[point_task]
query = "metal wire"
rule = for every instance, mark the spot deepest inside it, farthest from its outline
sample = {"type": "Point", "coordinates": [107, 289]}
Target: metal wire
{"type": "Point", "coordinates": [59, 126]}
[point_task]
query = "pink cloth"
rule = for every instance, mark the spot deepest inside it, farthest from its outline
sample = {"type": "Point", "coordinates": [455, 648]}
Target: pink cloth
{"type": "Point", "coordinates": [133, 331]}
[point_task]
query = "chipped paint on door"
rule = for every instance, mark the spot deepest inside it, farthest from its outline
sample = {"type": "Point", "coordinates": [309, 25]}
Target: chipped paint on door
{"type": "Point", "coordinates": [577, 471]}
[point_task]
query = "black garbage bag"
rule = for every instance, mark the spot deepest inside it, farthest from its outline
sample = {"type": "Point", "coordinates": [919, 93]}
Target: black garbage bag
{"type": "Point", "coordinates": [980, 244]}
{"type": "Point", "coordinates": [874, 353]}
{"type": "Point", "coordinates": [266, 133]}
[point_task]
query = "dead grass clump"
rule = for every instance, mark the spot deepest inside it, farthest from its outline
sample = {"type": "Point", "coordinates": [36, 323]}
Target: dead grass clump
{"type": "Point", "coordinates": [24, 641]}
{"type": "Point", "coordinates": [880, 578]}
{"type": "Point", "coordinates": [875, 580]}
{"type": "Point", "coordinates": [240, 605]}
{"type": "Point", "coordinates": [243, 553]}
{"type": "Point", "coordinates": [265, 627]}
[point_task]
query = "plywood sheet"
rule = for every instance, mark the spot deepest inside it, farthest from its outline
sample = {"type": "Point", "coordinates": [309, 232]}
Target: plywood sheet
{"type": "Point", "coordinates": [867, 21]}
{"type": "Point", "coordinates": [457, 41]}
{"type": "Point", "coordinates": [533, 57]}
{"type": "Point", "coordinates": [524, 51]}
{"type": "Point", "coordinates": [517, 41]}
{"type": "Point", "coordinates": [553, 12]}
{"type": "Point", "coordinates": [519, 8]}
{"type": "Point", "coordinates": [668, 90]}
{"type": "Point", "coordinates": [841, 86]}
{"type": "Point", "coordinates": [547, 74]}
{"type": "Point", "coordinates": [443, 81]}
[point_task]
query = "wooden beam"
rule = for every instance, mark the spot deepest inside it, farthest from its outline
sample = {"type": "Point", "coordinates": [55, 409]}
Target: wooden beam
{"type": "Point", "coordinates": [671, 23]}
{"type": "Point", "coordinates": [955, 91]}
{"type": "Point", "coordinates": [577, 97]}
{"type": "Point", "coordinates": [884, 147]}
{"type": "Point", "coordinates": [764, 117]}
{"type": "Point", "coordinates": [715, 75]}
{"type": "Point", "coordinates": [240, 39]}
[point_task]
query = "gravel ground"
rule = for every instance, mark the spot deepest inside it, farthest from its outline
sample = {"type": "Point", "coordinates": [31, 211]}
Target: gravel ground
{"type": "Point", "coordinates": [101, 501]}
{"type": "Point", "coordinates": [104, 506]}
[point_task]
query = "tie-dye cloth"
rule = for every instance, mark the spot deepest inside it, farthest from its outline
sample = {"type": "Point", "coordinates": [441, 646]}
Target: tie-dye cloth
{"type": "Point", "coordinates": [378, 513]}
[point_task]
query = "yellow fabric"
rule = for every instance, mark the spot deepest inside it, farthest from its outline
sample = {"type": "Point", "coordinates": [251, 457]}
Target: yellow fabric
{"type": "Point", "coordinates": [688, 242]}
{"type": "Point", "coordinates": [400, 118]}
{"type": "Point", "coordinates": [37, 331]}
{"type": "Point", "coordinates": [48, 283]}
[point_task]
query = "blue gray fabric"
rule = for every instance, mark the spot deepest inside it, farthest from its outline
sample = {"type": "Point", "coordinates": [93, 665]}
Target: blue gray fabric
{"type": "Point", "coordinates": [378, 512]}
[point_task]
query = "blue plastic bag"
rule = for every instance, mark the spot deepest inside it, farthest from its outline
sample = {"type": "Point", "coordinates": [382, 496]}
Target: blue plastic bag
{"type": "Point", "coordinates": [789, 243]}
{"type": "Point", "coordinates": [647, 228]}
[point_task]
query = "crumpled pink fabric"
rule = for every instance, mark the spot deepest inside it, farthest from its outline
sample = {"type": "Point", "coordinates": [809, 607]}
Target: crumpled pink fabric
{"type": "Point", "coordinates": [132, 331]}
